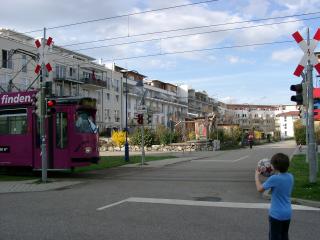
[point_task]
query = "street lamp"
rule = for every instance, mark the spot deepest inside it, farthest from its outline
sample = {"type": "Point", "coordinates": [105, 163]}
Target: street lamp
{"type": "Point", "coordinates": [126, 145]}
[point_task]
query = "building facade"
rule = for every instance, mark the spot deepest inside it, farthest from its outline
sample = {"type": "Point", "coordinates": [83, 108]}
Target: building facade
{"type": "Point", "coordinates": [73, 74]}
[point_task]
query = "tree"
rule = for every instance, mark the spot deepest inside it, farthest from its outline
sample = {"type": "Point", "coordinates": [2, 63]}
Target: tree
{"type": "Point", "coordinates": [299, 132]}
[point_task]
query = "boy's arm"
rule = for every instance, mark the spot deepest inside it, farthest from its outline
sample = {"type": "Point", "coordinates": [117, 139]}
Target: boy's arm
{"type": "Point", "coordinates": [258, 182]}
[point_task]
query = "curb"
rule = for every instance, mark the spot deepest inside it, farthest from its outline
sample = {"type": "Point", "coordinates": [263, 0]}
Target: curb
{"type": "Point", "coordinates": [298, 201]}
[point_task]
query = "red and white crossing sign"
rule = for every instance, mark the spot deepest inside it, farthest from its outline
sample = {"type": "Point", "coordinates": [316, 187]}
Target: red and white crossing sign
{"type": "Point", "coordinates": [42, 52]}
{"type": "Point", "coordinates": [308, 52]}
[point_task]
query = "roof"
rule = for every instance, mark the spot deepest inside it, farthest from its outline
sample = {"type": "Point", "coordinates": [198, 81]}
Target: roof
{"type": "Point", "coordinates": [286, 114]}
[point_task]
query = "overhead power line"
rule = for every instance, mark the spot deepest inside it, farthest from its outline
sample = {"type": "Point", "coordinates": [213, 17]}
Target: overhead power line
{"type": "Point", "coordinates": [117, 16]}
{"type": "Point", "coordinates": [200, 50]}
{"type": "Point", "coordinates": [192, 34]}
{"type": "Point", "coordinates": [192, 28]}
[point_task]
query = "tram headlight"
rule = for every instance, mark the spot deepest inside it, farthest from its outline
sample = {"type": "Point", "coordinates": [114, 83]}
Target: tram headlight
{"type": "Point", "coordinates": [88, 150]}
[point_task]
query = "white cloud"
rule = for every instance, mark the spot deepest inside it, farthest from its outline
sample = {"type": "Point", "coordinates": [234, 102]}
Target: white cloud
{"type": "Point", "coordinates": [287, 55]}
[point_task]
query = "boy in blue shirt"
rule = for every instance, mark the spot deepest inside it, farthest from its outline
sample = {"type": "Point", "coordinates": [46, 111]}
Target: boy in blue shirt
{"type": "Point", "coordinates": [281, 185]}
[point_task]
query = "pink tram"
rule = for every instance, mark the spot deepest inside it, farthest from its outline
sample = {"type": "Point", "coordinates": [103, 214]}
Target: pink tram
{"type": "Point", "coordinates": [71, 133]}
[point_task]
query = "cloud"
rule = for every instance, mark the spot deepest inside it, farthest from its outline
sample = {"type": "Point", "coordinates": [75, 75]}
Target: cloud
{"type": "Point", "coordinates": [287, 55]}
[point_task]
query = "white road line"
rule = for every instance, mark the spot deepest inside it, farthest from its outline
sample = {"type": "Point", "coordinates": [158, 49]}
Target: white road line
{"type": "Point", "coordinates": [204, 204]}
{"type": "Point", "coordinates": [239, 159]}
{"type": "Point", "coordinates": [112, 205]}
{"type": "Point", "coordinates": [219, 160]}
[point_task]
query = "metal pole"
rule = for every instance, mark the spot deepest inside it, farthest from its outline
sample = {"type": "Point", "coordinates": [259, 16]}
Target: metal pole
{"type": "Point", "coordinates": [142, 131]}
{"type": "Point", "coordinates": [126, 146]}
{"type": "Point", "coordinates": [142, 145]}
{"type": "Point", "coordinates": [42, 118]}
{"type": "Point", "coordinates": [311, 143]}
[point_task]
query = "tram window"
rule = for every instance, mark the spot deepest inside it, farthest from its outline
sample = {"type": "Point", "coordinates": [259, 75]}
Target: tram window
{"type": "Point", "coordinates": [13, 121]}
{"type": "Point", "coordinates": [85, 123]}
{"type": "Point", "coordinates": [61, 130]}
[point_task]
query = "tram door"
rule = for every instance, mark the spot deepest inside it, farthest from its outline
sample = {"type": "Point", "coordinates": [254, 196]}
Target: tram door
{"type": "Point", "coordinates": [60, 138]}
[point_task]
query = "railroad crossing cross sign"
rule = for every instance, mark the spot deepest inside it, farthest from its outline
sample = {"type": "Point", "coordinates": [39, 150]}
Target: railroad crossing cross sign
{"type": "Point", "coordinates": [42, 52]}
{"type": "Point", "coordinates": [308, 52]}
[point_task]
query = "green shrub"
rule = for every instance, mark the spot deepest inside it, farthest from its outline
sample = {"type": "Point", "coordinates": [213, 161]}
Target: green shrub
{"type": "Point", "coordinates": [299, 132]}
{"type": "Point", "coordinates": [149, 136]}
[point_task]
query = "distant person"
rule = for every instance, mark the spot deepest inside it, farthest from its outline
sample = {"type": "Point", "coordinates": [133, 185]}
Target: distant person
{"type": "Point", "coordinates": [281, 184]}
{"type": "Point", "coordinates": [250, 140]}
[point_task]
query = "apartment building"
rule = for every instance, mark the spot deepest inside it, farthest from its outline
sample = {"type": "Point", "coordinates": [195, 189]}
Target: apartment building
{"type": "Point", "coordinates": [200, 104]}
{"type": "Point", "coordinates": [285, 117]}
{"type": "Point", "coordinates": [249, 117]}
{"type": "Point", "coordinates": [73, 74]}
{"type": "Point", "coordinates": [165, 102]}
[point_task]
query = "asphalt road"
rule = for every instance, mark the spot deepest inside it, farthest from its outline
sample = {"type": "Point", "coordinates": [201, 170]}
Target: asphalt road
{"type": "Point", "coordinates": [207, 198]}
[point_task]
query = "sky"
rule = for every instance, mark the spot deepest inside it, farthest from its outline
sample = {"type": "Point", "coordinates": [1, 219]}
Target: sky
{"type": "Point", "coordinates": [238, 51]}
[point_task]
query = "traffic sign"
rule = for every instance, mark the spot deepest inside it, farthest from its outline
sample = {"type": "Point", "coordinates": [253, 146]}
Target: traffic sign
{"type": "Point", "coordinates": [308, 50]}
{"type": "Point", "coordinates": [42, 52]}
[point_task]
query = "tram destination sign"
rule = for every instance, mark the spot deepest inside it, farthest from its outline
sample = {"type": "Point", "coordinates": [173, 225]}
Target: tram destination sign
{"type": "Point", "coordinates": [16, 98]}
{"type": "Point", "coordinates": [4, 149]}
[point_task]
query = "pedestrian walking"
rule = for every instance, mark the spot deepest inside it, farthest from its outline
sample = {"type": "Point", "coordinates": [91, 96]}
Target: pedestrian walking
{"type": "Point", "coordinates": [281, 184]}
{"type": "Point", "coordinates": [250, 140]}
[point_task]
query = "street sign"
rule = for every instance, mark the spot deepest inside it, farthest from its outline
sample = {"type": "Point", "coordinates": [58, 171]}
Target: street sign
{"type": "Point", "coordinates": [42, 55]}
{"type": "Point", "coordinates": [142, 109]}
{"type": "Point", "coordinates": [308, 50]}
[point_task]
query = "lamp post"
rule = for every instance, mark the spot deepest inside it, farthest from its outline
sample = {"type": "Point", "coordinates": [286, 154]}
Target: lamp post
{"type": "Point", "coordinates": [126, 145]}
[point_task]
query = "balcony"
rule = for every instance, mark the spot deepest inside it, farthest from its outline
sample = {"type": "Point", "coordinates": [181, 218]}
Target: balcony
{"type": "Point", "coordinates": [66, 79]}
{"type": "Point", "coordinates": [94, 82]}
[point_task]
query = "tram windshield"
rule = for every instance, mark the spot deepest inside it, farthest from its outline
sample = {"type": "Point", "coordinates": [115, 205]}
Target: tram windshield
{"type": "Point", "coordinates": [85, 123]}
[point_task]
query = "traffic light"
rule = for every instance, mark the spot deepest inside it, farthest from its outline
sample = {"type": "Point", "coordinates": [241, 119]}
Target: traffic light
{"type": "Point", "coordinates": [48, 88]}
{"type": "Point", "coordinates": [36, 102]}
{"type": "Point", "coordinates": [149, 119]}
{"type": "Point", "coordinates": [140, 119]}
{"type": "Point", "coordinates": [299, 97]}
{"type": "Point", "coordinates": [51, 104]}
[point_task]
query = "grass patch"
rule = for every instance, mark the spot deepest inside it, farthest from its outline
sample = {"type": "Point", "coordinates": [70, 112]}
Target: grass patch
{"type": "Point", "coordinates": [4, 177]}
{"type": "Point", "coordinates": [302, 188]}
{"type": "Point", "coordinates": [115, 161]}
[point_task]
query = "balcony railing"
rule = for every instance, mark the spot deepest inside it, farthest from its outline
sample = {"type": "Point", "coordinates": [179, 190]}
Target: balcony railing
{"type": "Point", "coordinates": [97, 82]}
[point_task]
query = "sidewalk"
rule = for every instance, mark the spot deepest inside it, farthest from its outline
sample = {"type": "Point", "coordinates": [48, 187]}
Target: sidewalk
{"type": "Point", "coordinates": [34, 185]}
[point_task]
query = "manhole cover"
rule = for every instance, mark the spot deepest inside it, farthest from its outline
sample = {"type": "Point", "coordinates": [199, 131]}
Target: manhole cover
{"type": "Point", "coordinates": [208, 199]}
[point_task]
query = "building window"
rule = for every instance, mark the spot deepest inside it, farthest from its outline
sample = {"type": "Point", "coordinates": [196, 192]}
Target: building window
{"type": "Point", "coordinates": [60, 71]}
{"type": "Point", "coordinates": [285, 118]}
{"type": "Point", "coordinates": [6, 59]}
{"type": "Point", "coordinates": [99, 98]}
{"type": "Point", "coordinates": [117, 98]}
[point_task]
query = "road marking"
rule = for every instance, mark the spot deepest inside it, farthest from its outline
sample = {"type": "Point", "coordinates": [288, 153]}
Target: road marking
{"type": "Point", "coordinates": [219, 160]}
{"type": "Point", "coordinates": [112, 205]}
{"type": "Point", "coordinates": [204, 204]}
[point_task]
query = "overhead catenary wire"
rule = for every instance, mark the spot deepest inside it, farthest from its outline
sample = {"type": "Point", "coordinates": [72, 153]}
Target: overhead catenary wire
{"type": "Point", "coordinates": [200, 50]}
{"type": "Point", "coordinates": [192, 34]}
{"type": "Point", "coordinates": [192, 28]}
{"type": "Point", "coordinates": [117, 16]}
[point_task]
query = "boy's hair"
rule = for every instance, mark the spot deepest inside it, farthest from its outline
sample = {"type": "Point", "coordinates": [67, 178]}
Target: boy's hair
{"type": "Point", "coordinates": [280, 162]}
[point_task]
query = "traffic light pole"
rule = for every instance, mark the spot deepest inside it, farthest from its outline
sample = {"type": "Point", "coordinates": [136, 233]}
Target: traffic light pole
{"type": "Point", "coordinates": [312, 154]}
{"type": "Point", "coordinates": [42, 118]}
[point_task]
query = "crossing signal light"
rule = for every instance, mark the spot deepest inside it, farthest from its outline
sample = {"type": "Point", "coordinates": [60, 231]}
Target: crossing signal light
{"type": "Point", "coordinates": [140, 119]}
{"type": "Point", "coordinates": [36, 102]}
{"type": "Point", "coordinates": [51, 104]}
{"type": "Point", "coordinates": [298, 98]}
{"type": "Point", "coordinates": [149, 119]}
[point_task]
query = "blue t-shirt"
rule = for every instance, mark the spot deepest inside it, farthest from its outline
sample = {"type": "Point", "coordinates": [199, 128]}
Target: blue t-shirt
{"type": "Point", "coordinates": [281, 186]}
